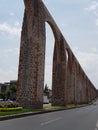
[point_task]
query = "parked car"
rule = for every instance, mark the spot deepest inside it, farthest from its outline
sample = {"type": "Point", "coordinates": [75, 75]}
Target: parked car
{"type": "Point", "coordinates": [10, 101]}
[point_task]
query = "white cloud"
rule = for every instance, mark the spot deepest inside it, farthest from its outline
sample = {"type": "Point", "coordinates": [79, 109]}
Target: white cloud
{"type": "Point", "coordinates": [48, 75]}
{"type": "Point", "coordinates": [11, 14]}
{"type": "Point", "coordinates": [9, 59]}
{"type": "Point", "coordinates": [14, 51]}
{"type": "Point", "coordinates": [93, 6]}
{"type": "Point", "coordinates": [9, 52]}
{"type": "Point", "coordinates": [17, 24]}
{"type": "Point", "coordinates": [9, 29]}
{"type": "Point", "coordinates": [7, 75]}
{"type": "Point", "coordinates": [97, 21]}
{"type": "Point", "coordinates": [94, 50]}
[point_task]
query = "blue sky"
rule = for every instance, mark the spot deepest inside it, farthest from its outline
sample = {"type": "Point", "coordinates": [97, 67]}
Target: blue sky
{"type": "Point", "coordinates": [77, 20]}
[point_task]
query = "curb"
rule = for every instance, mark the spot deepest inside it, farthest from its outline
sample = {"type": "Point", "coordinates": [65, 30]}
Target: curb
{"type": "Point", "coordinates": [9, 117]}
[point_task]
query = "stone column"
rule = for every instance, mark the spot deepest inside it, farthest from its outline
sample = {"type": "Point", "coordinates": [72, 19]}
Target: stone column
{"type": "Point", "coordinates": [59, 74]}
{"type": "Point", "coordinates": [32, 56]}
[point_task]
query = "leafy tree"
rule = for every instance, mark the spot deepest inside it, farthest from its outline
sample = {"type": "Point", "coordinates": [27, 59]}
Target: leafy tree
{"type": "Point", "coordinates": [5, 95]}
{"type": "Point", "coordinates": [2, 95]}
{"type": "Point", "coordinates": [13, 88]}
{"type": "Point", "coordinates": [46, 90]}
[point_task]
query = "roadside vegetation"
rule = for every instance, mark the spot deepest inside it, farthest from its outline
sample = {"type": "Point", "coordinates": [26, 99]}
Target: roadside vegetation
{"type": "Point", "coordinates": [17, 111]}
{"type": "Point", "coordinates": [5, 95]}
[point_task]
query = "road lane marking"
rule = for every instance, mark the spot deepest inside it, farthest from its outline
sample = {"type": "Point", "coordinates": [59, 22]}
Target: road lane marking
{"type": "Point", "coordinates": [97, 124]}
{"type": "Point", "coordinates": [51, 121]}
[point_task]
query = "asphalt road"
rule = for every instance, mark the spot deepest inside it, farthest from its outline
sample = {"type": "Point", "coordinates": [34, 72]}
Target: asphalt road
{"type": "Point", "coordinates": [85, 118]}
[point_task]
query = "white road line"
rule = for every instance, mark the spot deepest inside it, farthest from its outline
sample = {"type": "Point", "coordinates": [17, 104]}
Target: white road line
{"type": "Point", "coordinates": [97, 124]}
{"type": "Point", "coordinates": [51, 121]}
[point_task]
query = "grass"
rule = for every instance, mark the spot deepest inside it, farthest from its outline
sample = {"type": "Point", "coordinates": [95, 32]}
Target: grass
{"type": "Point", "coordinates": [62, 107]}
{"type": "Point", "coordinates": [6, 113]}
{"type": "Point", "coordinates": [57, 107]}
{"type": "Point", "coordinates": [70, 106]}
{"type": "Point", "coordinates": [53, 107]}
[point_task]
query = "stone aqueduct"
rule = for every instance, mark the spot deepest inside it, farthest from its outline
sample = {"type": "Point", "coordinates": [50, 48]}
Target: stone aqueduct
{"type": "Point", "coordinates": [69, 82]}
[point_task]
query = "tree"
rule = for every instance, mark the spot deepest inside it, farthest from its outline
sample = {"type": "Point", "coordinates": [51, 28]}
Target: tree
{"type": "Point", "coordinates": [46, 90]}
{"type": "Point", "coordinates": [13, 88]}
{"type": "Point", "coordinates": [5, 95]}
{"type": "Point", "coordinates": [2, 95]}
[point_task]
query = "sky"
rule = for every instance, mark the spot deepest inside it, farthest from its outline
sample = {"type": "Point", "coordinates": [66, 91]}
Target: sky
{"type": "Point", "coordinates": [78, 22]}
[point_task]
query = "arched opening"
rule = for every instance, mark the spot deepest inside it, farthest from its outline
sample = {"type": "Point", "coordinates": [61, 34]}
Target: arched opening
{"type": "Point", "coordinates": [70, 88]}
{"type": "Point", "coordinates": [48, 60]}
{"type": "Point", "coordinates": [66, 57]}
{"type": "Point", "coordinates": [68, 60]}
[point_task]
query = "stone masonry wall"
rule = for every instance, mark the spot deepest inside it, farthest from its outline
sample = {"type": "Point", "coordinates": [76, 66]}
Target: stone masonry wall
{"type": "Point", "coordinates": [70, 85]}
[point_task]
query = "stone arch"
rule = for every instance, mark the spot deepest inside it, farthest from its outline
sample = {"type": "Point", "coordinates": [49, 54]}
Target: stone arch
{"type": "Point", "coordinates": [56, 40]}
{"type": "Point", "coordinates": [52, 28]}
{"type": "Point", "coordinates": [56, 46]}
{"type": "Point", "coordinates": [31, 69]}
{"type": "Point", "coordinates": [59, 68]}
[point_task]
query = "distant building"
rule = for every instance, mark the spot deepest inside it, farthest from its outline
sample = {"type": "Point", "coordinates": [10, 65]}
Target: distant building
{"type": "Point", "coordinates": [12, 82]}
{"type": "Point", "coordinates": [6, 87]}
